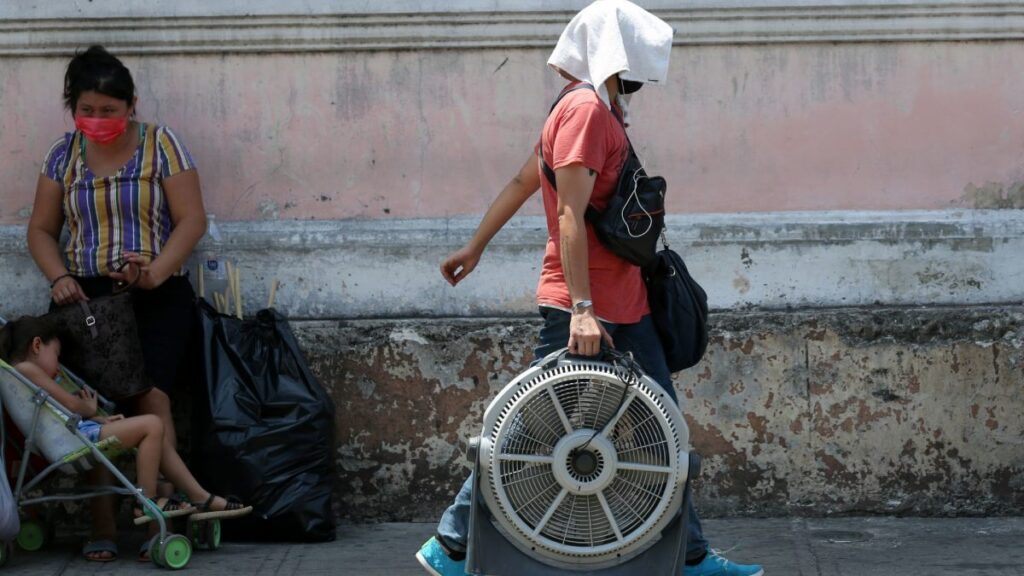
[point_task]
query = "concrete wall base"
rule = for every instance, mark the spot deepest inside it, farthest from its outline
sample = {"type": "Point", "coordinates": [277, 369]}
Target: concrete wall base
{"type": "Point", "coordinates": [838, 411]}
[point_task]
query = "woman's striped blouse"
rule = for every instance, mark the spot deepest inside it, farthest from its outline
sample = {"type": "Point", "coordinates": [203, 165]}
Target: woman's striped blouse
{"type": "Point", "coordinates": [125, 212]}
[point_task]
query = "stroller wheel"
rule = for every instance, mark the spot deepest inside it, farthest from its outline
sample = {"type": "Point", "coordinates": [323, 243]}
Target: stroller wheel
{"type": "Point", "coordinates": [32, 536]}
{"type": "Point", "coordinates": [213, 534]}
{"type": "Point", "coordinates": [155, 551]}
{"type": "Point", "coordinates": [198, 532]}
{"type": "Point", "coordinates": [206, 534]}
{"type": "Point", "coordinates": [175, 553]}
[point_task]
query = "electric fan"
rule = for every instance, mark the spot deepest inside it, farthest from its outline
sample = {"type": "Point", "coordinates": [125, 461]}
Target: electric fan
{"type": "Point", "coordinates": [582, 466]}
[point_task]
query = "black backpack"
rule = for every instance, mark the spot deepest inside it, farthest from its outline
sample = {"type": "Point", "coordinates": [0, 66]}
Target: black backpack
{"type": "Point", "coordinates": [635, 216]}
{"type": "Point", "coordinates": [679, 310]}
{"type": "Point", "coordinates": [630, 227]}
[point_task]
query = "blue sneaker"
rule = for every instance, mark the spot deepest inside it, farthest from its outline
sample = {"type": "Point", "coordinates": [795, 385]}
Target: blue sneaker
{"type": "Point", "coordinates": [715, 565]}
{"type": "Point", "coordinates": [436, 562]}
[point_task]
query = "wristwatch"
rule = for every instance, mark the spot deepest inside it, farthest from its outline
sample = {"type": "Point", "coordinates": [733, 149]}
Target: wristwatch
{"type": "Point", "coordinates": [582, 305]}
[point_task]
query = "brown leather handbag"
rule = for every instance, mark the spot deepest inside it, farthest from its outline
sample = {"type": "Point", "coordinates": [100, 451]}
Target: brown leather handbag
{"type": "Point", "coordinates": [100, 343]}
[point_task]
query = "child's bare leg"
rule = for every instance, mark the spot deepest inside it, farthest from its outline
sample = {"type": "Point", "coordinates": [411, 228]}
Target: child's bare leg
{"type": "Point", "coordinates": [178, 473]}
{"type": "Point", "coordinates": [157, 402]}
{"type": "Point", "coordinates": [145, 432]}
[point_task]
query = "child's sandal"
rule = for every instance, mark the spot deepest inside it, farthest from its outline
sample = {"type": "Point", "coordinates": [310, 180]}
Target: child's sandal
{"type": "Point", "coordinates": [233, 508]}
{"type": "Point", "coordinates": [169, 508]}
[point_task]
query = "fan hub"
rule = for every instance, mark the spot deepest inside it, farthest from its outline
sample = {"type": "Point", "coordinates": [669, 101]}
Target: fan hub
{"type": "Point", "coordinates": [584, 463]}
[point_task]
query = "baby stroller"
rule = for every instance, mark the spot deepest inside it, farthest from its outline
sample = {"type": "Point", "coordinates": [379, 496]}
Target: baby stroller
{"type": "Point", "coordinates": [10, 524]}
{"type": "Point", "coordinates": [51, 430]}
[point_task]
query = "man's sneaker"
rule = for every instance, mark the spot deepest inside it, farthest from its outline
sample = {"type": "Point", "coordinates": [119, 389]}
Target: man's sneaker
{"type": "Point", "coordinates": [434, 560]}
{"type": "Point", "coordinates": [715, 565]}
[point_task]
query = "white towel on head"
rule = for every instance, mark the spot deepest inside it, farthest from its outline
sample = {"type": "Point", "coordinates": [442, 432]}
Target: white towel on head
{"type": "Point", "coordinates": [614, 37]}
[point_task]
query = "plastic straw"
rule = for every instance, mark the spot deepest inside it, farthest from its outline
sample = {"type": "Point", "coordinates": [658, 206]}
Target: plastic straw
{"type": "Point", "coordinates": [237, 283]}
{"type": "Point", "coordinates": [273, 294]}
{"type": "Point", "coordinates": [229, 291]}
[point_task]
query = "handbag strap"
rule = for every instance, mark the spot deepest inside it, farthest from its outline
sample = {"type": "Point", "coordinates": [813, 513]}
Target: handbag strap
{"type": "Point", "coordinates": [120, 287]}
{"type": "Point", "coordinates": [90, 319]}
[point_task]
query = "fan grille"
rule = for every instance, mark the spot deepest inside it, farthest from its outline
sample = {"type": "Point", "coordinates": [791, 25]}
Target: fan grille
{"type": "Point", "coordinates": [618, 498]}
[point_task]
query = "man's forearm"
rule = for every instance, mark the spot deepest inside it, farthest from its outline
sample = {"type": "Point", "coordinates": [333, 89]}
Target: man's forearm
{"type": "Point", "coordinates": [575, 259]}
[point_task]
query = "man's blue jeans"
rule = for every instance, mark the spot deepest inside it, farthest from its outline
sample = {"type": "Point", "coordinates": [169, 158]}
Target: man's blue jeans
{"type": "Point", "coordinates": [642, 341]}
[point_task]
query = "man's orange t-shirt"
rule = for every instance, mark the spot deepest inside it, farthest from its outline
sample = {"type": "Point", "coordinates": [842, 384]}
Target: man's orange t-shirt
{"type": "Point", "coordinates": [582, 130]}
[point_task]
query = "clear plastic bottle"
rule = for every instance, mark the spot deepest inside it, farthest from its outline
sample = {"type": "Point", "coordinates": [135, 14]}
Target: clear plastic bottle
{"type": "Point", "coordinates": [215, 275]}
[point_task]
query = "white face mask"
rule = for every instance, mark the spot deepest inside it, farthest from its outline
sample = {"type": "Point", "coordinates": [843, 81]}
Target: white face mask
{"type": "Point", "coordinates": [623, 101]}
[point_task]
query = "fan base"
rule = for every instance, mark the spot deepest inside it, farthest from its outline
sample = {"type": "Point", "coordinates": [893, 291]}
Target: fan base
{"type": "Point", "coordinates": [491, 553]}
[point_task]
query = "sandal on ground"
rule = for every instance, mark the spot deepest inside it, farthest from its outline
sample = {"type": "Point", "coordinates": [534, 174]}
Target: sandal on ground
{"type": "Point", "coordinates": [169, 508]}
{"type": "Point", "coordinates": [97, 547]}
{"type": "Point", "coordinates": [233, 508]}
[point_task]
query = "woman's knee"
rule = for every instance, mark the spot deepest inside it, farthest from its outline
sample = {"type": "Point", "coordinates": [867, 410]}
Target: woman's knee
{"type": "Point", "coordinates": [153, 402]}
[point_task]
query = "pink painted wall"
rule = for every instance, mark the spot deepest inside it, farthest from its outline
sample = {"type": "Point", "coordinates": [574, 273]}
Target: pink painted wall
{"type": "Point", "coordinates": [437, 133]}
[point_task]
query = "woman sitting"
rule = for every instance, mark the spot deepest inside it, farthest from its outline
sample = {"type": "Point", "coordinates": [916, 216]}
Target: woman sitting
{"type": "Point", "coordinates": [127, 192]}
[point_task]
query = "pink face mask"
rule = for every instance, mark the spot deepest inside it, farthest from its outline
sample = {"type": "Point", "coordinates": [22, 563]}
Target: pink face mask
{"type": "Point", "coordinates": [101, 130]}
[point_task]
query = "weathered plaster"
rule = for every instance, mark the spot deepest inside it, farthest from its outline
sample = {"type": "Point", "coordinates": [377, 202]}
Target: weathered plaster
{"type": "Point", "coordinates": [868, 410]}
{"type": "Point", "coordinates": [410, 134]}
{"type": "Point", "coordinates": [369, 269]}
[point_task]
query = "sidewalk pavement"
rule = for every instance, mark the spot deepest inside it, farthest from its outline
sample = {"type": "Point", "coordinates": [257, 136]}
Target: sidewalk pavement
{"type": "Point", "coordinates": [786, 547]}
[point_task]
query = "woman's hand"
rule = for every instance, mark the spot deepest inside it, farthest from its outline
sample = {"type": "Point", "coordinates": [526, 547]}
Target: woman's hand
{"type": "Point", "coordinates": [459, 264]}
{"type": "Point", "coordinates": [67, 291]}
{"type": "Point", "coordinates": [149, 274]}
{"type": "Point", "coordinates": [586, 333]}
{"type": "Point", "coordinates": [86, 402]}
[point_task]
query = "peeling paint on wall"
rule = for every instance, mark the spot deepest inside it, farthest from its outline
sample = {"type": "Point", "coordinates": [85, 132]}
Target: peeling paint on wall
{"type": "Point", "coordinates": [994, 195]}
{"type": "Point", "coordinates": [395, 134]}
{"type": "Point", "coordinates": [864, 410]}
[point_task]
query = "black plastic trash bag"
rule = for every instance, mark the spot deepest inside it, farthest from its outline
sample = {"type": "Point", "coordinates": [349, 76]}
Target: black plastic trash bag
{"type": "Point", "coordinates": [264, 428]}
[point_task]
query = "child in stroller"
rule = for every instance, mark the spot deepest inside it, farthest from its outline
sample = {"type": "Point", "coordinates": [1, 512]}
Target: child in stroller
{"type": "Point", "coordinates": [32, 347]}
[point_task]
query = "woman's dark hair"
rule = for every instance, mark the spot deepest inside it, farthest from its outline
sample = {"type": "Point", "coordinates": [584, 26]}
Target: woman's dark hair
{"type": "Point", "coordinates": [99, 71]}
{"type": "Point", "coordinates": [16, 337]}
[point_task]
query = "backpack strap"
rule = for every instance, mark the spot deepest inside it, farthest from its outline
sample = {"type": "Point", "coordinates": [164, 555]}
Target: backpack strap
{"type": "Point", "coordinates": [548, 172]}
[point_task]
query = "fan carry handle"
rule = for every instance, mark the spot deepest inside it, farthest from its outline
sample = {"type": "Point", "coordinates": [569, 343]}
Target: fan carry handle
{"type": "Point", "coordinates": [610, 355]}
{"type": "Point", "coordinates": [607, 354]}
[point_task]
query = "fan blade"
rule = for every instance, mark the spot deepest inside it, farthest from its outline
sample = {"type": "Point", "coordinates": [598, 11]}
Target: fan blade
{"type": "Point", "coordinates": [610, 426]}
{"type": "Point", "coordinates": [645, 467]}
{"type": "Point", "coordinates": [531, 458]}
{"type": "Point", "coordinates": [551, 511]}
{"type": "Point", "coordinates": [561, 411]}
{"type": "Point", "coordinates": [611, 517]}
